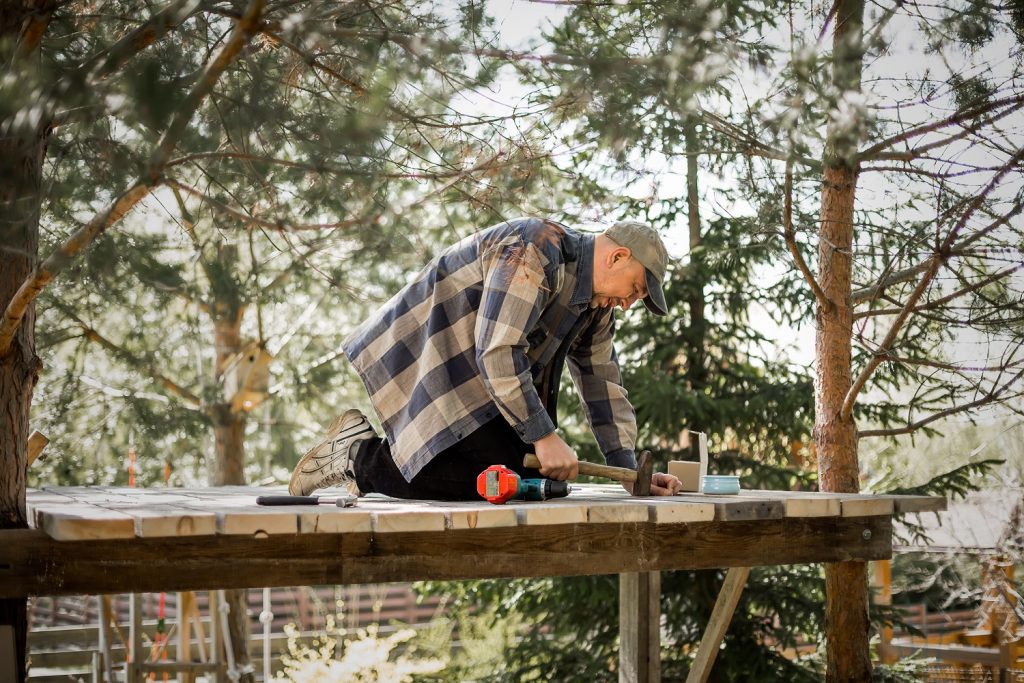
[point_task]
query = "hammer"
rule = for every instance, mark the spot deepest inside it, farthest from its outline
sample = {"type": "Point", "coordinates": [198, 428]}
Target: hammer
{"type": "Point", "coordinates": [640, 477]}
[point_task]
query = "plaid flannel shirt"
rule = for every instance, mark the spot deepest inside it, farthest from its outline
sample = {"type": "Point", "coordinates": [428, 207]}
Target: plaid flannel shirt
{"type": "Point", "coordinates": [472, 334]}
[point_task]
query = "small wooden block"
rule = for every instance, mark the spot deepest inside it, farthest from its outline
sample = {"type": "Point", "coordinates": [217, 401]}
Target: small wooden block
{"type": "Point", "coordinates": [669, 510]}
{"type": "Point", "coordinates": [78, 522]}
{"type": "Point", "coordinates": [326, 519]}
{"type": "Point", "coordinates": [540, 514]}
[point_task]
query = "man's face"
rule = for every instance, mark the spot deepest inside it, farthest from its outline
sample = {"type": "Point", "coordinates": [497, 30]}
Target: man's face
{"type": "Point", "coordinates": [621, 282]}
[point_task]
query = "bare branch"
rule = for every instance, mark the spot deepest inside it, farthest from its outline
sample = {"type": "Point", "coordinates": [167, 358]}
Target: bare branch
{"type": "Point", "coordinates": [43, 274]}
{"type": "Point", "coordinates": [798, 258]}
{"type": "Point", "coordinates": [907, 274]}
{"type": "Point", "coordinates": [991, 397]}
{"type": "Point", "coordinates": [940, 256]}
{"type": "Point", "coordinates": [946, 299]}
{"type": "Point", "coordinates": [872, 152]}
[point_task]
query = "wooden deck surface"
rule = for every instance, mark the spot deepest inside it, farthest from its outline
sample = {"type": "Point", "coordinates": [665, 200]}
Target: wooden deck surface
{"type": "Point", "coordinates": [89, 540]}
{"type": "Point", "coordinates": [93, 513]}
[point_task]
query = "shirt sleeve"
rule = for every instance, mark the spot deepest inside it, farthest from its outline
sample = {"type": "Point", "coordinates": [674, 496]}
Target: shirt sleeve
{"type": "Point", "coordinates": [515, 291]}
{"type": "Point", "coordinates": [595, 372]}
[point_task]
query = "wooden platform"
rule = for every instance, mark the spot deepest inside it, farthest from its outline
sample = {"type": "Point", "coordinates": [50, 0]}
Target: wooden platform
{"type": "Point", "coordinates": [104, 539]}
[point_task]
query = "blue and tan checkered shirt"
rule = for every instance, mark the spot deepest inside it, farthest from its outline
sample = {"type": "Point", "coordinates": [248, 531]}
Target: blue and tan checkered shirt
{"type": "Point", "coordinates": [471, 336]}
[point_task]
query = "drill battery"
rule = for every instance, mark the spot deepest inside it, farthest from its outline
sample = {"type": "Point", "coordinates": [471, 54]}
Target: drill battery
{"type": "Point", "coordinates": [498, 484]}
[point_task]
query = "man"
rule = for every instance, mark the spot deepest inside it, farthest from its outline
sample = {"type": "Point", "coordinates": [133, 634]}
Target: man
{"type": "Point", "coordinates": [462, 365]}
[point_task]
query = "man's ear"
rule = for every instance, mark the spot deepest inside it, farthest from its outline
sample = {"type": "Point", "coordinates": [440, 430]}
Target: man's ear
{"type": "Point", "coordinates": [620, 254]}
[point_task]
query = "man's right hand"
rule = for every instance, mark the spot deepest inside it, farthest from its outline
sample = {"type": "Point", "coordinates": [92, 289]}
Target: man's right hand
{"type": "Point", "coordinates": [557, 460]}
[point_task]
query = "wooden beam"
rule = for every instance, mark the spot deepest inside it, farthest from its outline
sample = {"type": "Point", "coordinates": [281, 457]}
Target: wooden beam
{"type": "Point", "coordinates": [640, 627]}
{"type": "Point", "coordinates": [34, 564]}
{"type": "Point", "coordinates": [725, 605]}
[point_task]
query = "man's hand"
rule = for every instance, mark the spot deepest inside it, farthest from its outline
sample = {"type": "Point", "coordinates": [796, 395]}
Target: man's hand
{"type": "Point", "coordinates": [557, 460]}
{"type": "Point", "coordinates": [661, 485]}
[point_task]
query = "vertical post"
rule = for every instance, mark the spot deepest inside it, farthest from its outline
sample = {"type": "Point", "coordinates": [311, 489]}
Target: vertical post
{"type": "Point", "coordinates": [216, 653]}
{"type": "Point", "coordinates": [640, 627]}
{"type": "Point", "coordinates": [183, 608]}
{"type": "Point", "coordinates": [107, 665]}
{"type": "Point", "coordinates": [882, 594]}
{"type": "Point", "coordinates": [9, 663]}
{"type": "Point", "coordinates": [134, 669]}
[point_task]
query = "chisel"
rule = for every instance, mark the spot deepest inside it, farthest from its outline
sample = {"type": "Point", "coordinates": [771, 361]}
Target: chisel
{"type": "Point", "coordinates": [340, 501]}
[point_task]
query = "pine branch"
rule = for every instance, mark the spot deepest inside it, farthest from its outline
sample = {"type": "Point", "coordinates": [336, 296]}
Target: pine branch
{"type": "Point", "coordinates": [37, 21]}
{"type": "Point", "coordinates": [44, 273]}
{"type": "Point", "coordinates": [938, 258]}
{"type": "Point", "coordinates": [151, 369]}
{"type": "Point", "coordinates": [277, 226]}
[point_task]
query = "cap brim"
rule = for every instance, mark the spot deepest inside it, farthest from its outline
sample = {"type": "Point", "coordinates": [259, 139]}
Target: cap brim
{"type": "Point", "coordinates": [655, 299]}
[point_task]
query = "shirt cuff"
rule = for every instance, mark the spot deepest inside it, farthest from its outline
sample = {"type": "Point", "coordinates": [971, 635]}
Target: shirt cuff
{"type": "Point", "coordinates": [535, 427]}
{"type": "Point", "coordinates": [624, 457]}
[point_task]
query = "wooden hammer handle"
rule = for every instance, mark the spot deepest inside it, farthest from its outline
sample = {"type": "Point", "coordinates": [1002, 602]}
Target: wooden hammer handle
{"type": "Point", "coordinates": [591, 469]}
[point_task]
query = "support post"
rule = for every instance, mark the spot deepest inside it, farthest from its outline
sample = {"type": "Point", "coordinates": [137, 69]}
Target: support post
{"type": "Point", "coordinates": [640, 627]}
{"type": "Point", "coordinates": [721, 615]}
{"type": "Point", "coordinates": [107, 664]}
{"type": "Point", "coordinates": [134, 670]}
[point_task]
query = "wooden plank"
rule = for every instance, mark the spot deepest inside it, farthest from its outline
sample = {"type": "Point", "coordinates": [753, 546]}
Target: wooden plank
{"type": "Point", "coordinates": [393, 516]}
{"type": "Point", "coordinates": [472, 515]}
{"type": "Point", "coordinates": [640, 627]}
{"type": "Point", "coordinates": [905, 504]}
{"type": "Point", "coordinates": [77, 522]}
{"type": "Point", "coordinates": [38, 565]}
{"type": "Point", "coordinates": [670, 510]}
{"type": "Point", "coordinates": [623, 512]}
{"type": "Point", "coordinates": [737, 509]}
{"type": "Point", "coordinates": [329, 519]}
{"type": "Point", "coordinates": [800, 503]}
{"type": "Point", "coordinates": [551, 512]}
{"type": "Point", "coordinates": [721, 615]}
{"type": "Point", "coordinates": [258, 522]}
{"type": "Point", "coordinates": [167, 520]}
{"type": "Point", "coordinates": [855, 505]}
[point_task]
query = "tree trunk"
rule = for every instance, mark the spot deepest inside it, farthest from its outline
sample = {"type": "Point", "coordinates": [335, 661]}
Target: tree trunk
{"type": "Point", "coordinates": [21, 162]}
{"type": "Point", "coordinates": [229, 430]}
{"type": "Point", "coordinates": [696, 368]}
{"type": "Point", "coordinates": [846, 587]}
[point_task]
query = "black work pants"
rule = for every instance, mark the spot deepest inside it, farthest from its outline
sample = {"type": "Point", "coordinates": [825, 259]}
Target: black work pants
{"type": "Point", "coordinates": [452, 474]}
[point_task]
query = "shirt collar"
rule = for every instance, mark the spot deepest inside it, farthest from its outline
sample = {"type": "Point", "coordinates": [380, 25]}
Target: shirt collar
{"type": "Point", "coordinates": [584, 291]}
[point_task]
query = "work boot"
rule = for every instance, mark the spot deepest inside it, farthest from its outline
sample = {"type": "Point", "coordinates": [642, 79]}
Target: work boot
{"type": "Point", "coordinates": [330, 463]}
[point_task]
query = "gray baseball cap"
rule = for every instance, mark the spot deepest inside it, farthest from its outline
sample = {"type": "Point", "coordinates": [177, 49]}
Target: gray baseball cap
{"type": "Point", "coordinates": [645, 244]}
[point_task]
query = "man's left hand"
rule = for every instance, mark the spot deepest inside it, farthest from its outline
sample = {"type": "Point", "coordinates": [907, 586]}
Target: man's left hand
{"type": "Point", "coordinates": [662, 484]}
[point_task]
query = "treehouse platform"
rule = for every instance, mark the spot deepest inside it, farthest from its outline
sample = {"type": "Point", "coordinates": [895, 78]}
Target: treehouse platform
{"type": "Point", "coordinates": [92, 540]}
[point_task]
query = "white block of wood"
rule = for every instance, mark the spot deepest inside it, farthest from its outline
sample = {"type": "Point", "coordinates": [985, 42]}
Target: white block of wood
{"type": "Point", "coordinates": [258, 522]}
{"type": "Point", "coordinates": [855, 505]}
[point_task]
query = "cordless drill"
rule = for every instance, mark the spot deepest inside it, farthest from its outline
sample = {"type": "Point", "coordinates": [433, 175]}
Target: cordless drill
{"type": "Point", "coordinates": [498, 484]}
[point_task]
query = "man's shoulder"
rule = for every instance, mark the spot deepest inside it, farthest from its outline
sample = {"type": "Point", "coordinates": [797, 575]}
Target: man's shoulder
{"type": "Point", "coordinates": [550, 237]}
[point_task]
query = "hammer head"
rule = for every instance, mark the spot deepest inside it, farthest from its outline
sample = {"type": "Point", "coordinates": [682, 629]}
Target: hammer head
{"type": "Point", "coordinates": [644, 473]}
